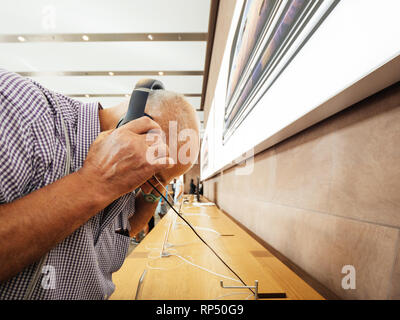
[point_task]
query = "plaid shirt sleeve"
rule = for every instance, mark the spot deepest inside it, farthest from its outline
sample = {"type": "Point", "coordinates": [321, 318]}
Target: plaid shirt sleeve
{"type": "Point", "coordinates": [17, 167]}
{"type": "Point", "coordinates": [30, 152]}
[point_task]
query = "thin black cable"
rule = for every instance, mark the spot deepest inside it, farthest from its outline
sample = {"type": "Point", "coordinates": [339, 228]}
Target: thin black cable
{"type": "Point", "coordinates": [195, 232]}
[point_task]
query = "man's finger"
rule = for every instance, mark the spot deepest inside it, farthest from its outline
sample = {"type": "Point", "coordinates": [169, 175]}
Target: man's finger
{"type": "Point", "coordinates": [156, 151]}
{"type": "Point", "coordinates": [163, 163]}
{"type": "Point", "coordinates": [155, 137]}
{"type": "Point", "coordinates": [141, 125]}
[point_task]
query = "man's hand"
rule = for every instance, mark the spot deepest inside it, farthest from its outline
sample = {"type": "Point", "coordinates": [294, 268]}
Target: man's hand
{"type": "Point", "coordinates": [117, 161]}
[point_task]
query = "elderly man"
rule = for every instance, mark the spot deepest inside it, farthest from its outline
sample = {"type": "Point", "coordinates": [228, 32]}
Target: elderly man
{"type": "Point", "coordinates": [69, 186]}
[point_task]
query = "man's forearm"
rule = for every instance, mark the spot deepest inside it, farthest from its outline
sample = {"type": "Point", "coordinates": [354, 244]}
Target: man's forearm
{"type": "Point", "coordinates": [143, 213]}
{"type": "Point", "coordinates": [32, 225]}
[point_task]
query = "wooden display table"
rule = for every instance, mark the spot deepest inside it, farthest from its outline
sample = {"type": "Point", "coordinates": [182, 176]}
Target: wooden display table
{"type": "Point", "coordinates": [182, 274]}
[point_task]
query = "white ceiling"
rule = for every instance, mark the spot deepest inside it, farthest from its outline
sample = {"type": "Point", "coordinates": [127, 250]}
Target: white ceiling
{"type": "Point", "coordinates": [103, 56]}
{"type": "Point", "coordinates": [103, 16]}
{"type": "Point", "coordinates": [115, 84]}
{"type": "Point", "coordinates": [58, 17]}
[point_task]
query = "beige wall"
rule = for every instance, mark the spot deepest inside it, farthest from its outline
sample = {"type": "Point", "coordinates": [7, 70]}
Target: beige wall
{"type": "Point", "coordinates": [327, 197]}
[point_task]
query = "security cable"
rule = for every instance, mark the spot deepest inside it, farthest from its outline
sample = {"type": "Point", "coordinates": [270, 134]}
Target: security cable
{"type": "Point", "coordinates": [195, 232]}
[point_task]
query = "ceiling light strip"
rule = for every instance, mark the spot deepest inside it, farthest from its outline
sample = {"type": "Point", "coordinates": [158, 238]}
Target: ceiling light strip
{"type": "Point", "coordinates": [99, 37]}
{"type": "Point", "coordinates": [108, 73]}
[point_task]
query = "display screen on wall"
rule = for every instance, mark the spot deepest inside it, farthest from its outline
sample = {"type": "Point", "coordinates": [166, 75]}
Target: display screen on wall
{"type": "Point", "coordinates": [289, 64]}
{"type": "Point", "coordinates": [264, 43]}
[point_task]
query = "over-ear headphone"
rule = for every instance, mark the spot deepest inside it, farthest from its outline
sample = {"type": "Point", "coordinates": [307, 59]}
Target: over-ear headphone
{"type": "Point", "coordinates": [138, 100]}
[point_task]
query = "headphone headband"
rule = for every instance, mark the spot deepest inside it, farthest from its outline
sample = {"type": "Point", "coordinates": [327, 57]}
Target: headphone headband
{"type": "Point", "coordinates": [138, 100]}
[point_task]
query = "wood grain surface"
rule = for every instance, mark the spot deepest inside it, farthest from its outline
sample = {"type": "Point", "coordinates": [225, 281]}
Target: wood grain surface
{"type": "Point", "coordinates": [190, 270]}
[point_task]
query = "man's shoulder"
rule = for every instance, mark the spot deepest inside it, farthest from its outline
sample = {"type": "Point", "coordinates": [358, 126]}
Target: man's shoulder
{"type": "Point", "coordinates": [20, 97]}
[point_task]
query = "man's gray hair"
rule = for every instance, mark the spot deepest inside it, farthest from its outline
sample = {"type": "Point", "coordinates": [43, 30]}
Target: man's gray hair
{"type": "Point", "coordinates": [164, 103]}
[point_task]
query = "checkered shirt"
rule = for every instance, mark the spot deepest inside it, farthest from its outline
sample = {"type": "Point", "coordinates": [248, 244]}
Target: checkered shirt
{"type": "Point", "coordinates": [33, 155]}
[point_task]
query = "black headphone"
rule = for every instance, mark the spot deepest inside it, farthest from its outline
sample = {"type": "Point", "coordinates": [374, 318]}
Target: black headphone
{"type": "Point", "coordinates": [138, 100]}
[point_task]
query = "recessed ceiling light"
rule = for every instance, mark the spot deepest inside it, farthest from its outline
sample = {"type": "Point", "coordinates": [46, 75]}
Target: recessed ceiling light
{"type": "Point", "coordinates": [111, 73]}
{"type": "Point", "coordinates": [150, 37]}
{"type": "Point", "coordinates": [161, 73]}
{"type": "Point", "coordinates": [127, 95]}
{"type": "Point", "coordinates": [21, 39]}
{"type": "Point", "coordinates": [85, 37]}
{"type": "Point", "coordinates": [87, 96]}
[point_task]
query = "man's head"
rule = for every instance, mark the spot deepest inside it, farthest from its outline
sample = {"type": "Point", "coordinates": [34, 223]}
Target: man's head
{"type": "Point", "coordinates": [178, 121]}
